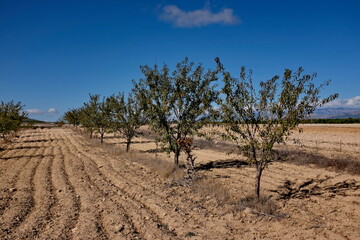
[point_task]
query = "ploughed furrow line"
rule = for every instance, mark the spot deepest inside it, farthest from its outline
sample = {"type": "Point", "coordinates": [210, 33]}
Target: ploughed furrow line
{"type": "Point", "coordinates": [111, 215]}
{"type": "Point", "coordinates": [16, 159]}
{"type": "Point", "coordinates": [22, 201]}
{"type": "Point", "coordinates": [65, 212]}
{"type": "Point", "coordinates": [8, 181]}
{"type": "Point", "coordinates": [144, 220]}
{"type": "Point", "coordinates": [44, 198]}
{"type": "Point", "coordinates": [179, 222]}
{"type": "Point", "coordinates": [177, 218]}
{"type": "Point", "coordinates": [43, 202]}
{"type": "Point", "coordinates": [88, 225]}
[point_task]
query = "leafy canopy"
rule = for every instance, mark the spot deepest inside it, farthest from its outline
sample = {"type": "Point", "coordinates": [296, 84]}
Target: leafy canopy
{"type": "Point", "coordinates": [126, 116]}
{"type": "Point", "coordinates": [256, 120]}
{"type": "Point", "coordinates": [176, 104]}
{"type": "Point", "coordinates": [11, 117]}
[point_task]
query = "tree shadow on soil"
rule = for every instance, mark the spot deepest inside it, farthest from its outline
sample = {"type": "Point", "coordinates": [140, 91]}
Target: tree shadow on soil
{"type": "Point", "coordinates": [27, 156]}
{"type": "Point", "coordinates": [230, 163]}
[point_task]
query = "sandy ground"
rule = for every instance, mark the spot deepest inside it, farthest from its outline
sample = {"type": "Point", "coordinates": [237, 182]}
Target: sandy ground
{"type": "Point", "coordinates": [56, 185]}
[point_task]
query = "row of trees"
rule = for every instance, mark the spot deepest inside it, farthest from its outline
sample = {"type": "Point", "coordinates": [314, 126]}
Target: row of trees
{"type": "Point", "coordinates": [111, 114]}
{"type": "Point", "coordinates": [11, 117]}
{"type": "Point", "coordinates": [332, 121]}
{"type": "Point", "coordinates": [177, 104]}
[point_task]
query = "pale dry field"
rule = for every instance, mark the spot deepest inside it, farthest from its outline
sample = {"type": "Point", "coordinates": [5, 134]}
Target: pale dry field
{"type": "Point", "coordinates": [56, 184]}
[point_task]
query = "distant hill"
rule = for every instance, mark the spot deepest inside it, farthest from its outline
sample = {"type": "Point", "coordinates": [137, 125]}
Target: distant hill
{"type": "Point", "coordinates": [30, 120]}
{"type": "Point", "coordinates": [336, 113]}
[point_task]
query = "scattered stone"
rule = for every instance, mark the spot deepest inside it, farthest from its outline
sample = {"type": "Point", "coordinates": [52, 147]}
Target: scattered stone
{"type": "Point", "coordinates": [12, 190]}
{"type": "Point", "coordinates": [247, 211]}
{"type": "Point", "coordinates": [119, 228]}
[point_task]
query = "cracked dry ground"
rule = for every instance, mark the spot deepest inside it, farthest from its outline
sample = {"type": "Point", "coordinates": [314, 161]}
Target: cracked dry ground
{"type": "Point", "coordinates": [55, 185]}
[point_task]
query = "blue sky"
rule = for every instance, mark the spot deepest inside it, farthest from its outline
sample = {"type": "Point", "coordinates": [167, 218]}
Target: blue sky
{"type": "Point", "coordinates": [54, 53]}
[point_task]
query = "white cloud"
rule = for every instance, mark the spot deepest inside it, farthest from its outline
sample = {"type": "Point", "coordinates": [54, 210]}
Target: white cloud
{"type": "Point", "coordinates": [344, 103]}
{"type": "Point", "coordinates": [35, 111]}
{"type": "Point", "coordinates": [198, 18]}
{"type": "Point", "coordinates": [52, 110]}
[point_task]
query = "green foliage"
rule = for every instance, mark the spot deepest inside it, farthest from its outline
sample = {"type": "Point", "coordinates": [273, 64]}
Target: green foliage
{"type": "Point", "coordinates": [256, 120]}
{"type": "Point", "coordinates": [73, 117]}
{"type": "Point", "coordinates": [176, 104]}
{"type": "Point", "coordinates": [60, 122]}
{"type": "Point", "coordinates": [96, 115]}
{"type": "Point", "coordinates": [126, 116]}
{"type": "Point", "coordinates": [11, 117]}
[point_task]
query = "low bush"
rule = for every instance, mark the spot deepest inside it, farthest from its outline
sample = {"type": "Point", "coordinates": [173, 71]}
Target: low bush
{"type": "Point", "coordinates": [343, 164]}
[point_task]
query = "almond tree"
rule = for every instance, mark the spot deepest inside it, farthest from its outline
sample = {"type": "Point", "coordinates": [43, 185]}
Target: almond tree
{"type": "Point", "coordinates": [11, 117]}
{"type": "Point", "coordinates": [73, 117]}
{"type": "Point", "coordinates": [126, 117]}
{"type": "Point", "coordinates": [257, 120]}
{"type": "Point", "coordinates": [176, 104]}
{"type": "Point", "coordinates": [96, 115]}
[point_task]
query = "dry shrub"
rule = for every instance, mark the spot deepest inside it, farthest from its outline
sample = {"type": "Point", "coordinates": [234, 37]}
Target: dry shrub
{"type": "Point", "coordinates": [221, 146]}
{"type": "Point", "coordinates": [163, 168]}
{"type": "Point", "coordinates": [343, 164]}
{"type": "Point", "coordinates": [264, 205]}
{"type": "Point", "coordinates": [210, 189]}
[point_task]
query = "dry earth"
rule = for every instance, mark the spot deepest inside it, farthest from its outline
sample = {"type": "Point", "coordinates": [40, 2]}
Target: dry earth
{"type": "Point", "coordinates": [56, 184]}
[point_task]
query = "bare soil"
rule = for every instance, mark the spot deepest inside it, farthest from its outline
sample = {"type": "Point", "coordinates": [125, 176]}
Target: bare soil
{"type": "Point", "coordinates": [56, 184]}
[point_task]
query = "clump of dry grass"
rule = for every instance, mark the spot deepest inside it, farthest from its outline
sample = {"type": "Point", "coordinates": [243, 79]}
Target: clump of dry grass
{"type": "Point", "coordinates": [164, 168]}
{"type": "Point", "coordinates": [221, 146]}
{"type": "Point", "coordinates": [264, 205]}
{"type": "Point", "coordinates": [208, 188]}
{"type": "Point", "coordinates": [344, 164]}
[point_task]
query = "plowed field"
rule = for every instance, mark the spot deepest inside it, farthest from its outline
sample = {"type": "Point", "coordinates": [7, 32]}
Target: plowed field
{"type": "Point", "coordinates": [55, 184]}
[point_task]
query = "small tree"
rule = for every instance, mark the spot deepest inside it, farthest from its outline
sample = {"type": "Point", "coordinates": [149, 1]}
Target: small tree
{"type": "Point", "coordinates": [11, 117]}
{"type": "Point", "coordinates": [176, 105]}
{"type": "Point", "coordinates": [127, 117]}
{"type": "Point", "coordinates": [258, 120]}
{"type": "Point", "coordinates": [86, 121]}
{"type": "Point", "coordinates": [73, 117]}
{"type": "Point", "coordinates": [97, 115]}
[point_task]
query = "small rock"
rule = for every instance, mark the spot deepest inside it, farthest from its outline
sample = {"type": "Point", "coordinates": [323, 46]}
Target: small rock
{"type": "Point", "coordinates": [12, 190]}
{"type": "Point", "coordinates": [247, 211]}
{"type": "Point", "coordinates": [119, 228]}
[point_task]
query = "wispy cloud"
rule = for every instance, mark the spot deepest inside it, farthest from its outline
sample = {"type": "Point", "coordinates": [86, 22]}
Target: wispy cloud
{"type": "Point", "coordinates": [197, 18]}
{"type": "Point", "coordinates": [35, 111]}
{"type": "Point", "coordinates": [52, 110]}
{"type": "Point", "coordinates": [344, 103]}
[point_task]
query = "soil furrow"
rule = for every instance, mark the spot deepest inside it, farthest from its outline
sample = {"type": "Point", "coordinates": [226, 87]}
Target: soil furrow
{"type": "Point", "coordinates": [88, 220]}
{"type": "Point", "coordinates": [36, 219]}
{"type": "Point", "coordinates": [144, 219]}
{"type": "Point", "coordinates": [23, 200]}
{"type": "Point", "coordinates": [66, 211]}
{"type": "Point", "coordinates": [8, 181]}
{"type": "Point", "coordinates": [43, 202]}
{"type": "Point", "coordinates": [165, 212]}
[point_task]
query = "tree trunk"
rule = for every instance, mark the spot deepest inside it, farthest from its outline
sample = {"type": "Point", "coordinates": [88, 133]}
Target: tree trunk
{"type": "Point", "coordinates": [128, 145]}
{"type": "Point", "coordinates": [176, 156]}
{"type": "Point", "coordinates": [259, 170]}
{"type": "Point", "coordinates": [91, 134]}
{"type": "Point", "coordinates": [101, 137]}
